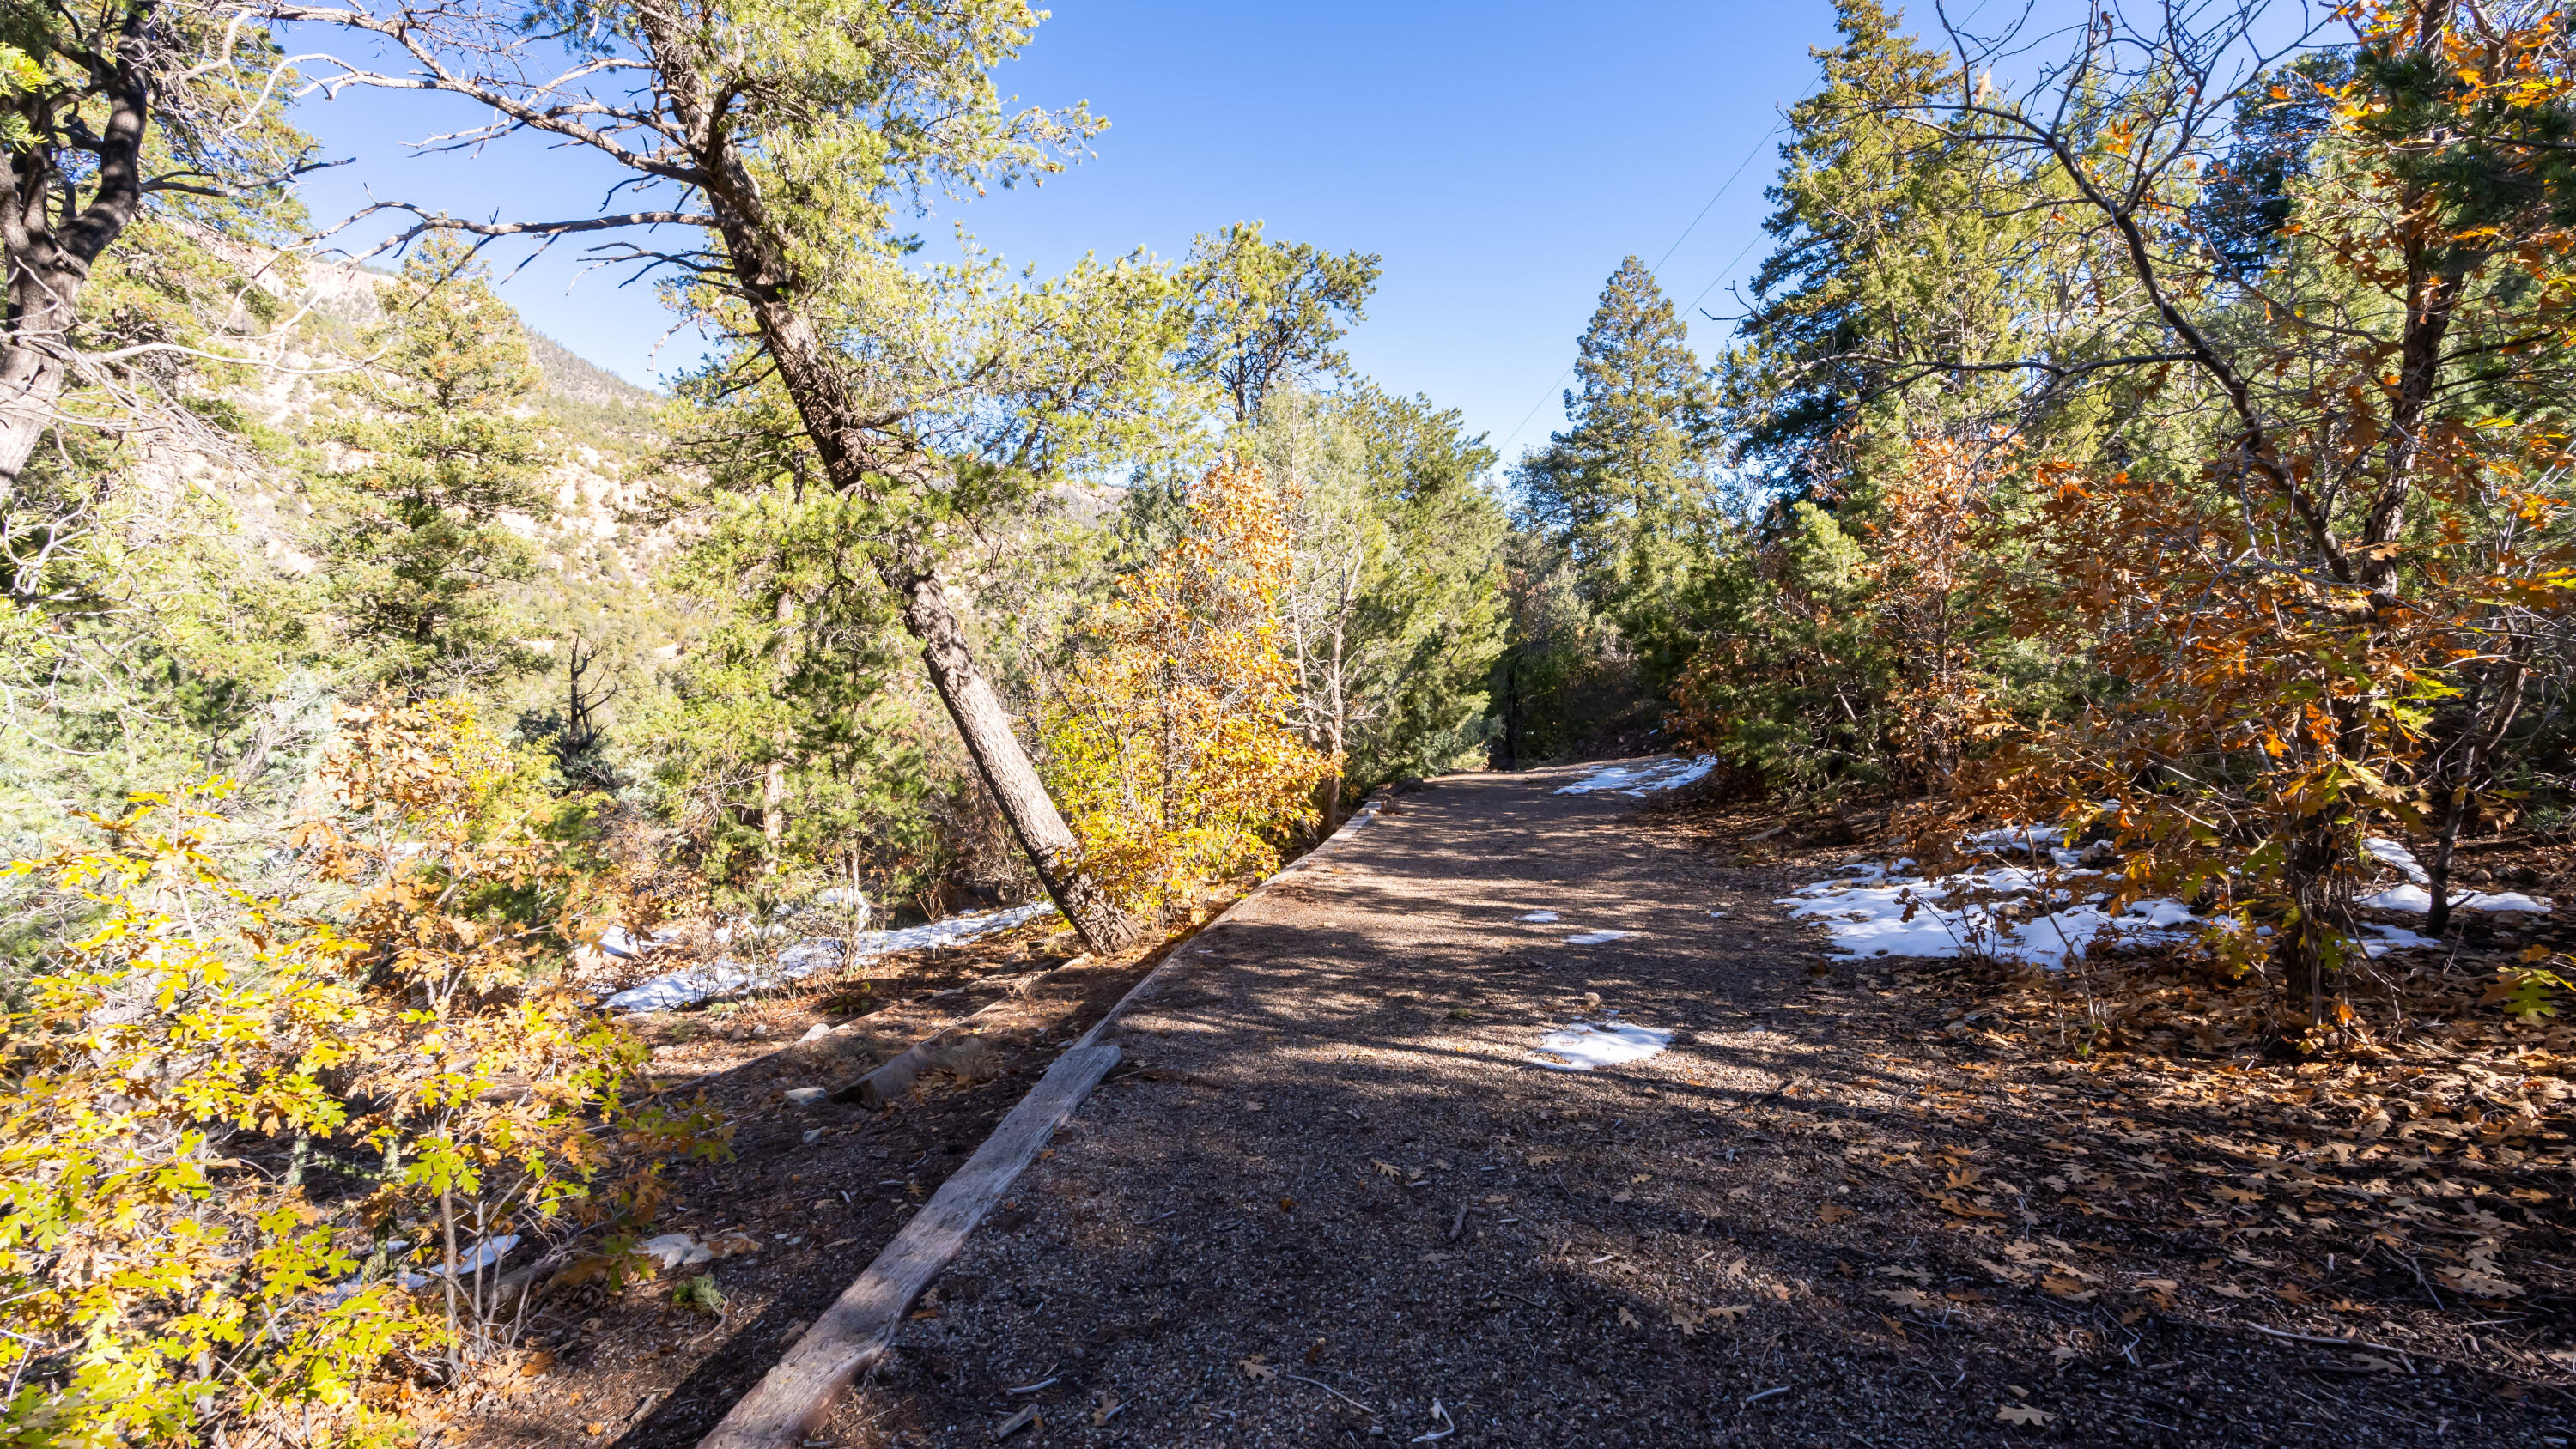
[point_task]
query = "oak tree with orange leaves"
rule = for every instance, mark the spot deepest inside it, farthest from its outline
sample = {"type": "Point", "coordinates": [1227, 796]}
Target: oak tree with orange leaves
{"type": "Point", "coordinates": [1170, 736]}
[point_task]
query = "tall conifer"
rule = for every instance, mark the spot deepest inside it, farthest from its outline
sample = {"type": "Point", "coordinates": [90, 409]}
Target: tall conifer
{"type": "Point", "coordinates": [1625, 486]}
{"type": "Point", "coordinates": [421, 553]}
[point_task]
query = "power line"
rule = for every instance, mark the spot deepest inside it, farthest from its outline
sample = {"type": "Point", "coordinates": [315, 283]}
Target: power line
{"type": "Point", "coordinates": [1722, 274]}
{"type": "Point", "coordinates": [1722, 187]}
{"type": "Point", "coordinates": [1712, 201]}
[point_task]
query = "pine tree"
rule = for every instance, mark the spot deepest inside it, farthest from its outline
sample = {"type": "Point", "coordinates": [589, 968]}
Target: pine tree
{"type": "Point", "coordinates": [1623, 489]}
{"type": "Point", "coordinates": [1889, 265]}
{"type": "Point", "coordinates": [421, 558]}
{"type": "Point", "coordinates": [1264, 315]}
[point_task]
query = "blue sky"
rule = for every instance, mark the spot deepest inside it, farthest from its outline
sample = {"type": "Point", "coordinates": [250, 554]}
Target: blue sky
{"type": "Point", "coordinates": [1501, 157]}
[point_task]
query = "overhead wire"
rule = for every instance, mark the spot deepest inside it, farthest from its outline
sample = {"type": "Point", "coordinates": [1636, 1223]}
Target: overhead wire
{"type": "Point", "coordinates": [1722, 188]}
{"type": "Point", "coordinates": [1724, 272]}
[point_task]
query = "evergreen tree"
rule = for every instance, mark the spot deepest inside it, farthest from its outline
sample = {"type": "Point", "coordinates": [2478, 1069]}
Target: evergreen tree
{"type": "Point", "coordinates": [1624, 491]}
{"type": "Point", "coordinates": [1264, 315]}
{"type": "Point", "coordinates": [421, 560]}
{"type": "Point", "coordinates": [1891, 281]}
{"type": "Point", "coordinates": [1392, 616]}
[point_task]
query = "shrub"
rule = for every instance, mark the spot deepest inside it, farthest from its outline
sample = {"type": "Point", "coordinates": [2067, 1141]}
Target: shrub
{"type": "Point", "coordinates": [271, 1152]}
{"type": "Point", "coordinates": [1169, 740]}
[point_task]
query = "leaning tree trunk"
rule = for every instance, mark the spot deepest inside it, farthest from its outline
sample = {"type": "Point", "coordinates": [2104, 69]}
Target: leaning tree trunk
{"type": "Point", "coordinates": [986, 728]}
{"type": "Point", "coordinates": [47, 256]}
{"type": "Point", "coordinates": [858, 461]}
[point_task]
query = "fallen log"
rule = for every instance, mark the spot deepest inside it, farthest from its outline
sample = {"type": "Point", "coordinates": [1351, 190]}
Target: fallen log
{"type": "Point", "coordinates": [797, 1396]}
{"type": "Point", "coordinates": [896, 1077]}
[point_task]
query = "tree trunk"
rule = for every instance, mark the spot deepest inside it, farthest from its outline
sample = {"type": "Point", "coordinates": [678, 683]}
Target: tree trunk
{"type": "Point", "coordinates": [859, 457]}
{"type": "Point", "coordinates": [30, 384]}
{"type": "Point", "coordinates": [2437, 871]}
{"type": "Point", "coordinates": [773, 780]}
{"type": "Point", "coordinates": [48, 257]}
{"type": "Point", "coordinates": [2309, 869]}
{"type": "Point", "coordinates": [986, 729]}
{"type": "Point", "coordinates": [2459, 786]}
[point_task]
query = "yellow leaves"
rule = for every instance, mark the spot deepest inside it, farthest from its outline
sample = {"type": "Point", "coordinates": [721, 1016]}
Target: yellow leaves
{"type": "Point", "coordinates": [1167, 744]}
{"type": "Point", "coordinates": [206, 1014]}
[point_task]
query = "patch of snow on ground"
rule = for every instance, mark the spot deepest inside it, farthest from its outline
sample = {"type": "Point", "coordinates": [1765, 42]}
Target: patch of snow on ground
{"type": "Point", "coordinates": [1867, 916]}
{"type": "Point", "coordinates": [1642, 776]}
{"type": "Point", "coordinates": [2416, 898]}
{"type": "Point", "coordinates": [2022, 838]}
{"type": "Point", "coordinates": [1542, 917]}
{"type": "Point", "coordinates": [2419, 900]}
{"type": "Point", "coordinates": [1585, 1045]}
{"type": "Point", "coordinates": [722, 978]}
{"type": "Point", "coordinates": [484, 1256]}
{"type": "Point", "coordinates": [1595, 938]}
{"type": "Point", "coordinates": [2390, 853]}
{"type": "Point", "coordinates": [618, 941]}
{"type": "Point", "coordinates": [2384, 939]}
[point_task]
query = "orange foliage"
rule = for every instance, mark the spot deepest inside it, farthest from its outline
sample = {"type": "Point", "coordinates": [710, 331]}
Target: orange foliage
{"type": "Point", "coordinates": [1170, 744]}
{"type": "Point", "coordinates": [250, 1144]}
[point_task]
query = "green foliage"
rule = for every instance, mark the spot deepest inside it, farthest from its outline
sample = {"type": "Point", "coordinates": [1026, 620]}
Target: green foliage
{"type": "Point", "coordinates": [1622, 489]}
{"type": "Point", "coordinates": [1794, 665]}
{"type": "Point", "coordinates": [1392, 616]}
{"type": "Point", "coordinates": [1626, 504]}
{"type": "Point", "coordinates": [1565, 685]}
{"type": "Point", "coordinates": [788, 742]}
{"type": "Point", "coordinates": [420, 551]}
{"type": "Point", "coordinates": [1264, 315]}
{"type": "Point", "coordinates": [1888, 264]}
{"type": "Point", "coordinates": [699, 1295]}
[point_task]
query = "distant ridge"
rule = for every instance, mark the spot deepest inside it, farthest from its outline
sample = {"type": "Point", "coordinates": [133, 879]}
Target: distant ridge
{"type": "Point", "coordinates": [575, 378]}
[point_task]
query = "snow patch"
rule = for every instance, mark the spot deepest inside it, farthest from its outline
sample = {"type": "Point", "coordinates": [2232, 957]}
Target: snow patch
{"type": "Point", "coordinates": [2384, 939]}
{"type": "Point", "coordinates": [723, 978]}
{"type": "Point", "coordinates": [619, 942]}
{"type": "Point", "coordinates": [1584, 1045]}
{"type": "Point", "coordinates": [1869, 916]}
{"type": "Point", "coordinates": [1638, 777]}
{"type": "Point", "coordinates": [485, 1254]}
{"type": "Point", "coordinates": [2417, 899]}
{"type": "Point", "coordinates": [2390, 853]}
{"type": "Point", "coordinates": [1542, 917]}
{"type": "Point", "coordinates": [1595, 938]}
{"type": "Point", "coordinates": [2026, 839]}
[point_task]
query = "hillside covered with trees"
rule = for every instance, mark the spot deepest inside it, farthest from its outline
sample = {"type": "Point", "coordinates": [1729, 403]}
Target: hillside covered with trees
{"type": "Point", "coordinates": [2151, 431]}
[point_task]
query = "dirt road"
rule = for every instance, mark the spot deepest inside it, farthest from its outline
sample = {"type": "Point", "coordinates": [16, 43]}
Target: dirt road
{"type": "Point", "coordinates": [1341, 1193]}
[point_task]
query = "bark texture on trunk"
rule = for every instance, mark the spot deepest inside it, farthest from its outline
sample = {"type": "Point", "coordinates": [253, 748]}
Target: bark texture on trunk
{"type": "Point", "coordinates": [49, 244]}
{"type": "Point", "coordinates": [30, 384]}
{"type": "Point", "coordinates": [860, 452]}
{"type": "Point", "coordinates": [1328, 806]}
{"type": "Point", "coordinates": [986, 728]}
